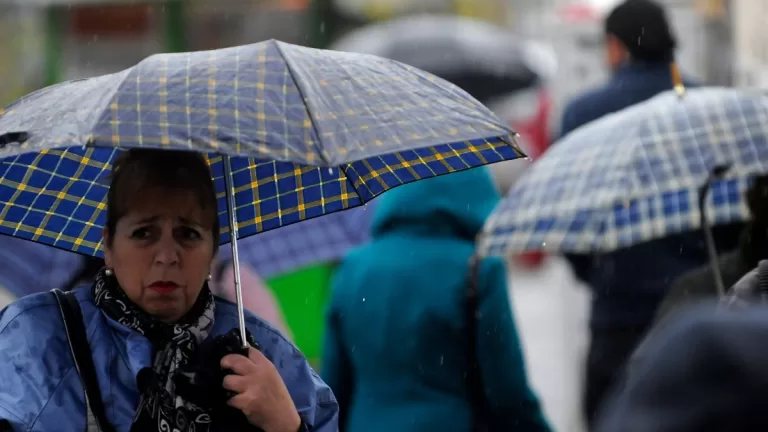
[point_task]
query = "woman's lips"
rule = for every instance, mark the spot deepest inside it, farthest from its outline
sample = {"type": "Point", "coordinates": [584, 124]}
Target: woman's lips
{"type": "Point", "coordinates": [164, 287]}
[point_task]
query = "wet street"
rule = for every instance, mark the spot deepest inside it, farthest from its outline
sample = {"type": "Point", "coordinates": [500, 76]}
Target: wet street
{"type": "Point", "coordinates": [551, 309]}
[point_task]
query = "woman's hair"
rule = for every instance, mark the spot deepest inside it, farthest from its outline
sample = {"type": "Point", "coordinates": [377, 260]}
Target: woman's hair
{"type": "Point", "coordinates": [643, 29]}
{"type": "Point", "coordinates": [138, 170]}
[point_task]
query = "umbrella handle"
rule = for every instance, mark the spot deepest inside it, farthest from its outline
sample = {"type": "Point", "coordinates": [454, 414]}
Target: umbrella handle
{"type": "Point", "coordinates": [714, 261]}
{"type": "Point", "coordinates": [233, 243]}
{"type": "Point", "coordinates": [677, 79]}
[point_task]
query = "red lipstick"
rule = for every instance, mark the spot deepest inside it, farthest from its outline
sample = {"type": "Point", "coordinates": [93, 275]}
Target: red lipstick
{"type": "Point", "coordinates": [164, 287]}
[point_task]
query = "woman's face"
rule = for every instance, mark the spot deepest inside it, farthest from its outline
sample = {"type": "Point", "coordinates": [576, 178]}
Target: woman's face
{"type": "Point", "coordinates": [161, 253]}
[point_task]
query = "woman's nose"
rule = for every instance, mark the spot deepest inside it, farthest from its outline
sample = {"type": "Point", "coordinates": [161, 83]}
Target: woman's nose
{"type": "Point", "coordinates": [167, 252]}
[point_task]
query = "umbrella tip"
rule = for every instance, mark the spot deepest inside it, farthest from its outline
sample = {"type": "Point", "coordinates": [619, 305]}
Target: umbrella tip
{"type": "Point", "coordinates": [680, 90]}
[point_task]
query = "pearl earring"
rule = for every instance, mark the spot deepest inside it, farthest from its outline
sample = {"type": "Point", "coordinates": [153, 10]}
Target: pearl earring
{"type": "Point", "coordinates": [108, 271]}
{"type": "Point", "coordinates": [209, 277]}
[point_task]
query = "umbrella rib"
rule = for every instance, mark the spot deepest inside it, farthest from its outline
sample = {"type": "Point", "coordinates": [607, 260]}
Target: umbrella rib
{"type": "Point", "coordinates": [302, 92]}
{"type": "Point", "coordinates": [89, 142]}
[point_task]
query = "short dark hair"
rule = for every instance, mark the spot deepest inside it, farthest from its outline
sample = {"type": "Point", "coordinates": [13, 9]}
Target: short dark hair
{"type": "Point", "coordinates": [137, 170]}
{"type": "Point", "coordinates": [643, 29]}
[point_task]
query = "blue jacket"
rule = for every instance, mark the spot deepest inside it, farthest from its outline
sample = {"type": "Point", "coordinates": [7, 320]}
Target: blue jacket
{"type": "Point", "coordinates": [40, 389]}
{"type": "Point", "coordinates": [631, 84]}
{"type": "Point", "coordinates": [395, 351]}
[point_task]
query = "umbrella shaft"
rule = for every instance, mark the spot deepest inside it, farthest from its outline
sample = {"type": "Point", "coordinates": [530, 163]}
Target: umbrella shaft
{"type": "Point", "coordinates": [231, 211]}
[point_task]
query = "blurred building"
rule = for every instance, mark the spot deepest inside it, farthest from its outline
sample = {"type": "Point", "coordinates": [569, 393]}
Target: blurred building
{"type": "Point", "coordinates": [750, 42]}
{"type": "Point", "coordinates": [55, 40]}
{"type": "Point", "coordinates": [22, 51]}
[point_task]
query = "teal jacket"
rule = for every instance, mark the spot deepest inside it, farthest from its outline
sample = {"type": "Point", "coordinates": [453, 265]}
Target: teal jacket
{"type": "Point", "coordinates": [395, 351]}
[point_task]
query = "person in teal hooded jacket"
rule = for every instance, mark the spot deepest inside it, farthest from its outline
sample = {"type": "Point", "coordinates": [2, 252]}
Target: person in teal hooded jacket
{"type": "Point", "coordinates": [395, 353]}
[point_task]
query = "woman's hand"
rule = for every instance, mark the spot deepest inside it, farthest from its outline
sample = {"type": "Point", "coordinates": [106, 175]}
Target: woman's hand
{"type": "Point", "coordinates": [261, 393]}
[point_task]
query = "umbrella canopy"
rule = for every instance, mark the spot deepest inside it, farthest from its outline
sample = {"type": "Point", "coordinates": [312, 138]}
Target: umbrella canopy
{"type": "Point", "coordinates": [635, 175]}
{"type": "Point", "coordinates": [314, 241]}
{"type": "Point", "coordinates": [484, 59]}
{"type": "Point", "coordinates": [28, 268]}
{"type": "Point", "coordinates": [303, 132]}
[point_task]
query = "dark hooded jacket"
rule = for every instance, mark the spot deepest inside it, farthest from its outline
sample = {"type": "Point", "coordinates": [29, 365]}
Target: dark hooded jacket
{"type": "Point", "coordinates": [699, 284]}
{"type": "Point", "coordinates": [703, 370]}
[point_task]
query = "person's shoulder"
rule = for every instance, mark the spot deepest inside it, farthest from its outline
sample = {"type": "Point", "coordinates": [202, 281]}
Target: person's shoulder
{"type": "Point", "coordinates": [34, 355]}
{"type": "Point", "coordinates": [585, 107]}
{"type": "Point", "coordinates": [28, 309]}
{"type": "Point", "coordinates": [588, 97]}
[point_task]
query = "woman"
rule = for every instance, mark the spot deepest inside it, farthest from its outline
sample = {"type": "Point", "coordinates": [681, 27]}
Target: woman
{"type": "Point", "coordinates": [149, 311]}
{"type": "Point", "coordinates": [396, 347]}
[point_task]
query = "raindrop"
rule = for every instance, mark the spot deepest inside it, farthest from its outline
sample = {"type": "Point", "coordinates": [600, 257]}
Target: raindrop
{"type": "Point", "coordinates": [363, 299]}
{"type": "Point", "coordinates": [330, 171]}
{"type": "Point", "coordinates": [543, 244]}
{"type": "Point", "coordinates": [322, 27]}
{"type": "Point", "coordinates": [441, 360]}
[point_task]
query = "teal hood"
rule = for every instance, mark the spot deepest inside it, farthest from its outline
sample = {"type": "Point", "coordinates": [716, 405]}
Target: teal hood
{"type": "Point", "coordinates": [452, 204]}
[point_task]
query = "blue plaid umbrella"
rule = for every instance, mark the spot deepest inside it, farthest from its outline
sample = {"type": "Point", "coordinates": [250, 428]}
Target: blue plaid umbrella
{"type": "Point", "coordinates": [313, 241]}
{"type": "Point", "coordinates": [290, 133]}
{"type": "Point", "coordinates": [307, 132]}
{"type": "Point", "coordinates": [635, 175]}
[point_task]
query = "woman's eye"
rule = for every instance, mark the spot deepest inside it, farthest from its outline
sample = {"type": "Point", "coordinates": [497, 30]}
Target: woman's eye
{"type": "Point", "coordinates": [190, 234]}
{"type": "Point", "coordinates": [141, 233]}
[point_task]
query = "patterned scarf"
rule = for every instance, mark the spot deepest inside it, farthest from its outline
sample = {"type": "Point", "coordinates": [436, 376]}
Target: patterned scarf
{"type": "Point", "coordinates": [160, 407]}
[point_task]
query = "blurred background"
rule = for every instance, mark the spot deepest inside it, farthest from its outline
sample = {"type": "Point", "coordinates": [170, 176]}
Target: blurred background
{"type": "Point", "coordinates": [560, 55]}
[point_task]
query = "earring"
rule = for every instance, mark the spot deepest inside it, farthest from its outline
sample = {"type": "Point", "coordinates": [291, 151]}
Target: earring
{"type": "Point", "coordinates": [209, 277]}
{"type": "Point", "coordinates": [108, 271]}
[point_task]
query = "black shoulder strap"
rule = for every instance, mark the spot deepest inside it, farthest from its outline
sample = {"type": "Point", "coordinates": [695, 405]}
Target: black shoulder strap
{"type": "Point", "coordinates": [476, 392]}
{"type": "Point", "coordinates": [81, 354]}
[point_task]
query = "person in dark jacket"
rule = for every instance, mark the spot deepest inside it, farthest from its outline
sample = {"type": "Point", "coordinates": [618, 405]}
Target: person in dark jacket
{"type": "Point", "coordinates": [640, 50]}
{"type": "Point", "coordinates": [629, 284]}
{"type": "Point", "coordinates": [699, 284]}
{"type": "Point", "coordinates": [704, 370]}
{"type": "Point", "coordinates": [396, 351]}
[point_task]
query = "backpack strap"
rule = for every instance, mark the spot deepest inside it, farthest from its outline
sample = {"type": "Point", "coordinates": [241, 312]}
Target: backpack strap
{"type": "Point", "coordinates": [474, 377]}
{"type": "Point", "coordinates": [81, 355]}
